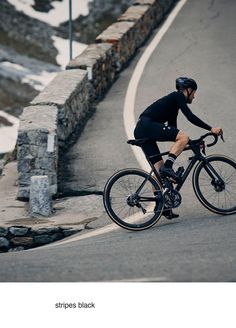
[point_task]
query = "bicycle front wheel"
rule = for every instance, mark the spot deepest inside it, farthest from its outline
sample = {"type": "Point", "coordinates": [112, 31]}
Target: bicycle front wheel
{"type": "Point", "coordinates": [215, 184]}
{"type": "Point", "coordinates": [133, 199]}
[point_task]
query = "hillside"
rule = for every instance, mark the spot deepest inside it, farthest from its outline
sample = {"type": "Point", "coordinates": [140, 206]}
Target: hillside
{"type": "Point", "coordinates": [30, 47]}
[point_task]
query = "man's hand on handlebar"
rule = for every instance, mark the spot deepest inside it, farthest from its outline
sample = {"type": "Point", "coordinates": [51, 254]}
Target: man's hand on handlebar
{"type": "Point", "coordinates": [217, 131]}
{"type": "Point", "coordinates": [200, 140]}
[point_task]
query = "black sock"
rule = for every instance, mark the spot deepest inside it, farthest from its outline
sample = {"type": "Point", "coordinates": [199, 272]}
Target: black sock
{"type": "Point", "coordinates": [170, 161]}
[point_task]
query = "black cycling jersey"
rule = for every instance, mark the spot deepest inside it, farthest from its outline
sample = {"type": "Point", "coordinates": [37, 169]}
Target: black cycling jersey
{"type": "Point", "coordinates": [166, 110]}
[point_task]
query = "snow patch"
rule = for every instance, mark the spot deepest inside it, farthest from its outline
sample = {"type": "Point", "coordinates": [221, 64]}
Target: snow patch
{"type": "Point", "coordinates": [12, 67]}
{"type": "Point", "coordinates": [59, 14]}
{"type": "Point", "coordinates": [39, 82]}
{"type": "Point", "coordinates": [62, 45]}
{"type": "Point", "coordinates": [8, 134]}
{"type": "Point", "coordinates": [20, 73]}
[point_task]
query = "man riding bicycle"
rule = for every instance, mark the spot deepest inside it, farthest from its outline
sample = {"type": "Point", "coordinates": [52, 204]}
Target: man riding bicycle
{"type": "Point", "coordinates": [158, 122]}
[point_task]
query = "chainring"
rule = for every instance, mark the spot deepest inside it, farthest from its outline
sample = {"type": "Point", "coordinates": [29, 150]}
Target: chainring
{"type": "Point", "coordinates": [172, 198]}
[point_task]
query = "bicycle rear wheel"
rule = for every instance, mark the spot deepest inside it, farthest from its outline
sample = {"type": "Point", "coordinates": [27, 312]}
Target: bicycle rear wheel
{"type": "Point", "coordinates": [215, 188]}
{"type": "Point", "coordinates": [129, 199]}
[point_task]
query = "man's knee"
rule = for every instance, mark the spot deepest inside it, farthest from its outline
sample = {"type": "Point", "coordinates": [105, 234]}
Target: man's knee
{"type": "Point", "coordinates": [183, 137]}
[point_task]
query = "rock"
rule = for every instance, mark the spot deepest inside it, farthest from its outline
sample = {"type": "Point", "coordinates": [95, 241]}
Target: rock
{"type": "Point", "coordinates": [44, 239]}
{"type": "Point", "coordinates": [1, 165]}
{"type": "Point", "coordinates": [69, 232]}
{"type": "Point", "coordinates": [4, 243]}
{"type": "Point", "coordinates": [49, 230]}
{"type": "Point", "coordinates": [57, 236]}
{"type": "Point", "coordinates": [40, 197]}
{"type": "Point", "coordinates": [22, 241]}
{"type": "Point", "coordinates": [18, 231]}
{"type": "Point", "coordinates": [43, 6]}
{"type": "Point", "coordinates": [3, 232]}
{"type": "Point", "coordinates": [23, 193]}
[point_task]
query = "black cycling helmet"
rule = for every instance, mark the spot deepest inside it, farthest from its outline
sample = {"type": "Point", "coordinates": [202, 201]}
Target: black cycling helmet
{"type": "Point", "coordinates": [184, 83]}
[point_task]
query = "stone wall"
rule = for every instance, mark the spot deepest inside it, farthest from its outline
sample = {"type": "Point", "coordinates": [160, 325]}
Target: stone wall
{"type": "Point", "coordinates": [63, 107]}
{"type": "Point", "coordinates": [47, 124]}
{"type": "Point", "coordinates": [99, 61]}
{"type": "Point", "coordinates": [18, 238]}
{"type": "Point", "coordinates": [37, 150]}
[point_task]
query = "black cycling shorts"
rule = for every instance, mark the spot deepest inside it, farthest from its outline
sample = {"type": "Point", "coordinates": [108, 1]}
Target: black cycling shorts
{"type": "Point", "coordinates": [154, 131]}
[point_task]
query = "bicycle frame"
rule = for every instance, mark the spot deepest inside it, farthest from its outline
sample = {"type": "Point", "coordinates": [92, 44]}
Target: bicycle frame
{"type": "Point", "coordinates": [197, 157]}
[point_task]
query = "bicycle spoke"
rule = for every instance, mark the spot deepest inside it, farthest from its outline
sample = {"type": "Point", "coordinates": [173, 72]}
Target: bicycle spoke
{"type": "Point", "coordinates": [230, 177]}
{"type": "Point", "coordinates": [124, 205]}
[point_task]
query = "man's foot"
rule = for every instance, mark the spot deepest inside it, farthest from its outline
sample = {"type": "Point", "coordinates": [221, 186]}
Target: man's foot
{"type": "Point", "coordinates": [169, 215]}
{"type": "Point", "coordinates": [168, 172]}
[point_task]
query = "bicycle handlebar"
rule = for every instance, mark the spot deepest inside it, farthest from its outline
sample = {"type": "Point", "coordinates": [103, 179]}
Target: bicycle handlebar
{"type": "Point", "coordinates": [196, 141]}
{"type": "Point", "coordinates": [212, 135]}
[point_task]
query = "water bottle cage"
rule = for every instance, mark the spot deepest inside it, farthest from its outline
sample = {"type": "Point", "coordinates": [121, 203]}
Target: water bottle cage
{"type": "Point", "coordinates": [180, 171]}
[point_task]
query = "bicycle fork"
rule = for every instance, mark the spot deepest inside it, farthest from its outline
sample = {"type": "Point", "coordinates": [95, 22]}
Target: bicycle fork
{"type": "Point", "coordinates": [216, 181]}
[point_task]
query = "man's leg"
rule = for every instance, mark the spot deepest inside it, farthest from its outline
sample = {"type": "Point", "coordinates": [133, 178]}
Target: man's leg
{"type": "Point", "coordinates": [157, 165]}
{"type": "Point", "coordinates": [167, 213]}
{"type": "Point", "coordinates": [180, 143]}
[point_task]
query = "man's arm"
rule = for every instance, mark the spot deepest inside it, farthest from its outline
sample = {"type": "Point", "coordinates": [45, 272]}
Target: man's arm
{"type": "Point", "coordinates": [190, 116]}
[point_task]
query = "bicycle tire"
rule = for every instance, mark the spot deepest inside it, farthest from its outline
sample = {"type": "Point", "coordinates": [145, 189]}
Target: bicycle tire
{"type": "Point", "coordinates": [220, 164]}
{"type": "Point", "coordinates": [117, 184]}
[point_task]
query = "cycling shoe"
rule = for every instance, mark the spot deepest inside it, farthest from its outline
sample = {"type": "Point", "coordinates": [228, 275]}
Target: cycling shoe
{"type": "Point", "coordinates": [168, 172]}
{"type": "Point", "coordinates": [169, 215]}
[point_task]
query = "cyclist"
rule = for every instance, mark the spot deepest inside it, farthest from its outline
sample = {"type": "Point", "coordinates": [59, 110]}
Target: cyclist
{"type": "Point", "coordinates": [158, 122]}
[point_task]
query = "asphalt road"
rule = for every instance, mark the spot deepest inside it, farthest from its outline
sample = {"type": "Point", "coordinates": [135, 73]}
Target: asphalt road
{"type": "Point", "coordinates": [199, 246]}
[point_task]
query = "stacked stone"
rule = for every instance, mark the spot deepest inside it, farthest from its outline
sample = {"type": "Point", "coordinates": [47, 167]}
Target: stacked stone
{"type": "Point", "coordinates": [165, 4]}
{"type": "Point", "coordinates": [17, 238]}
{"type": "Point", "coordinates": [69, 92]}
{"type": "Point", "coordinates": [37, 150]}
{"type": "Point", "coordinates": [144, 18]}
{"type": "Point", "coordinates": [47, 124]}
{"type": "Point", "coordinates": [121, 35]}
{"type": "Point", "coordinates": [133, 27]}
{"type": "Point", "coordinates": [158, 8]}
{"type": "Point", "coordinates": [99, 62]}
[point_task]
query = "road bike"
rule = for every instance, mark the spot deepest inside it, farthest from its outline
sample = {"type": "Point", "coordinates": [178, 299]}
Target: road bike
{"type": "Point", "coordinates": [135, 199]}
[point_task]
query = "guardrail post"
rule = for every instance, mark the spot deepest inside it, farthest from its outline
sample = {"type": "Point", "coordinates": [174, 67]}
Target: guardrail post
{"type": "Point", "coordinates": [40, 197]}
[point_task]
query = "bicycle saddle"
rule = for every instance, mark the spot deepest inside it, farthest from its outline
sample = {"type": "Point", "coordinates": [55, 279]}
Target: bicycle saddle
{"type": "Point", "coordinates": [137, 142]}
